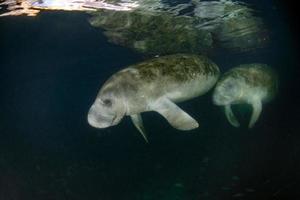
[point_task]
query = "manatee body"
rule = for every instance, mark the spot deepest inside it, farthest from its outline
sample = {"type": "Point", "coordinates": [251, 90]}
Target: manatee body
{"type": "Point", "coordinates": [250, 83]}
{"type": "Point", "coordinates": [154, 85]}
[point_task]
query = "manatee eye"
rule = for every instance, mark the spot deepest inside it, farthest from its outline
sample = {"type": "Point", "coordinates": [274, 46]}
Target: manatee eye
{"type": "Point", "coordinates": [107, 102]}
{"type": "Point", "coordinates": [230, 86]}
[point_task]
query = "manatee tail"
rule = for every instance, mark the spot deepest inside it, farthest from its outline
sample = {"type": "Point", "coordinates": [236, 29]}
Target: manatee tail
{"type": "Point", "coordinates": [138, 123]}
{"type": "Point", "coordinates": [257, 108]}
{"type": "Point", "coordinates": [231, 117]}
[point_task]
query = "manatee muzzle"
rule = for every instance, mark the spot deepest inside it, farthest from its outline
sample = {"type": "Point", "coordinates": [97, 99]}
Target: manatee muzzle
{"type": "Point", "coordinates": [100, 120]}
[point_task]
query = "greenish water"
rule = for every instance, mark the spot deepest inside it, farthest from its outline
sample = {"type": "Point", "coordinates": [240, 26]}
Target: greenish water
{"type": "Point", "coordinates": [53, 65]}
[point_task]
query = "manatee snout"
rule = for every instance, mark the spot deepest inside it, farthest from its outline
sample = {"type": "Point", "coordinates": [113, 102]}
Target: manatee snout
{"type": "Point", "coordinates": [220, 98]}
{"type": "Point", "coordinates": [226, 92]}
{"type": "Point", "coordinates": [99, 119]}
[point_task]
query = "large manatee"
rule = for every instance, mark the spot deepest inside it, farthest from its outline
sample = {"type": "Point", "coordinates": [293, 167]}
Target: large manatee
{"type": "Point", "coordinates": [250, 83]}
{"type": "Point", "coordinates": [154, 85]}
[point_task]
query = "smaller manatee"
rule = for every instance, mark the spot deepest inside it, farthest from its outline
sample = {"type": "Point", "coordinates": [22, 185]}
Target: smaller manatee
{"type": "Point", "coordinates": [249, 83]}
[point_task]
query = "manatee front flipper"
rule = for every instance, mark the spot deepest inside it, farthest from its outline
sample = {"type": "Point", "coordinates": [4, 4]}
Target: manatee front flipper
{"type": "Point", "coordinates": [174, 115]}
{"type": "Point", "coordinates": [257, 107]}
{"type": "Point", "coordinates": [138, 123]}
{"type": "Point", "coordinates": [230, 116]}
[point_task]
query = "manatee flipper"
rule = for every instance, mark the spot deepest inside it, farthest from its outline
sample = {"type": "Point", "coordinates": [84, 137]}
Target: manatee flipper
{"type": "Point", "coordinates": [174, 115]}
{"type": "Point", "coordinates": [257, 107]}
{"type": "Point", "coordinates": [138, 123]}
{"type": "Point", "coordinates": [231, 117]}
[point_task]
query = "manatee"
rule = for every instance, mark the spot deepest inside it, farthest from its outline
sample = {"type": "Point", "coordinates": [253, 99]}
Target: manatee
{"type": "Point", "coordinates": [154, 85]}
{"type": "Point", "coordinates": [249, 83]}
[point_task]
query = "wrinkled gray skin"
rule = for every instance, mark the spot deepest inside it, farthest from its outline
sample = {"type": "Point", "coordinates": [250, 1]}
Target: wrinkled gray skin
{"type": "Point", "coordinates": [252, 84]}
{"type": "Point", "coordinates": [154, 85]}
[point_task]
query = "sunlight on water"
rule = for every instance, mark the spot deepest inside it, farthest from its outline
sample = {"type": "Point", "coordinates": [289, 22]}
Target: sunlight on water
{"type": "Point", "coordinates": [231, 25]}
{"type": "Point", "coordinates": [32, 7]}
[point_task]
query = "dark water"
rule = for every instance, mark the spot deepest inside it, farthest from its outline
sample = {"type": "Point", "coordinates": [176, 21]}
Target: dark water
{"type": "Point", "coordinates": [53, 65]}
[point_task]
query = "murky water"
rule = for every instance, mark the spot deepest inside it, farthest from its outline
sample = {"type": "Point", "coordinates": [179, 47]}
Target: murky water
{"type": "Point", "coordinates": [52, 67]}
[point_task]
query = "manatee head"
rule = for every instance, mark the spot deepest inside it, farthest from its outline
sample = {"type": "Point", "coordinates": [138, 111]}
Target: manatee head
{"type": "Point", "coordinates": [107, 110]}
{"type": "Point", "coordinates": [227, 91]}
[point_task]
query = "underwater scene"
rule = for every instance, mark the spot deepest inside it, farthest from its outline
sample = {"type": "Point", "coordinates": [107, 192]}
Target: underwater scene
{"type": "Point", "coordinates": [149, 100]}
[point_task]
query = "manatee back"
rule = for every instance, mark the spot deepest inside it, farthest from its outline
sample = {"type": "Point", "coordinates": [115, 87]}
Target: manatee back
{"type": "Point", "coordinates": [255, 76]}
{"type": "Point", "coordinates": [157, 77]}
{"type": "Point", "coordinates": [178, 68]}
